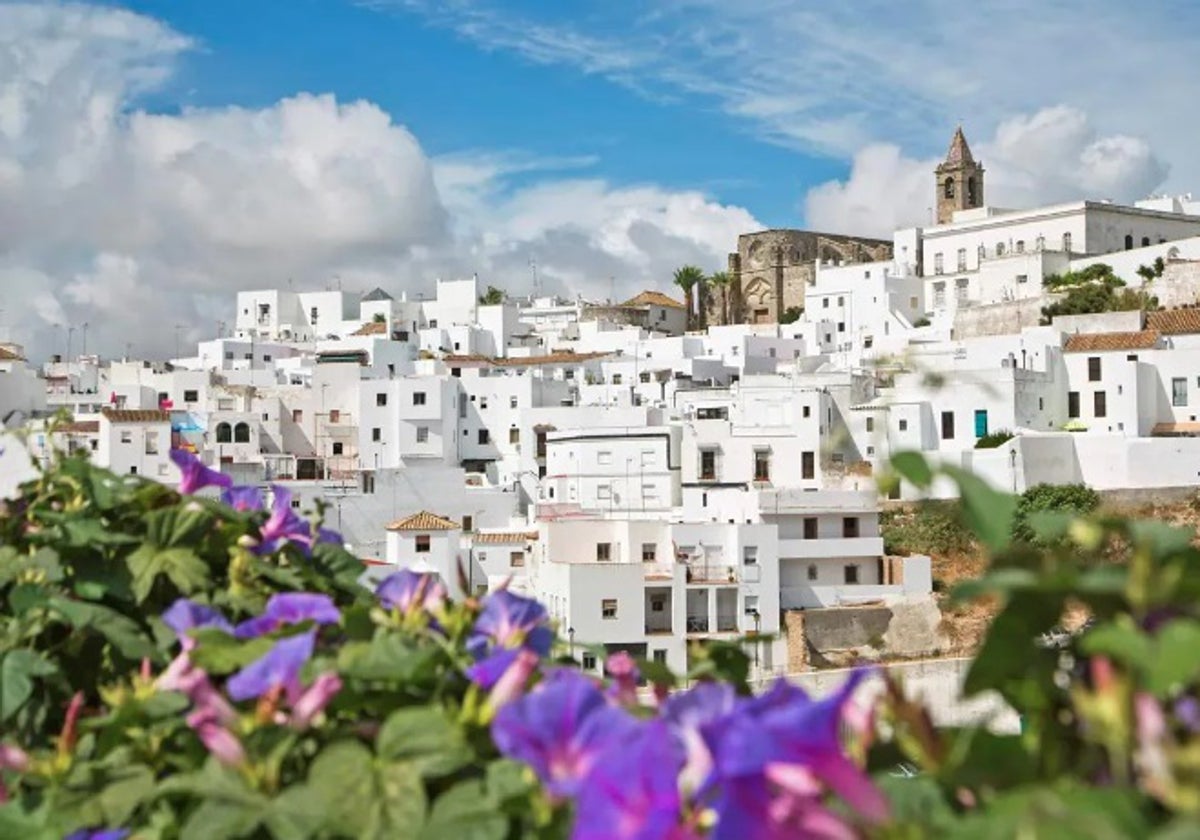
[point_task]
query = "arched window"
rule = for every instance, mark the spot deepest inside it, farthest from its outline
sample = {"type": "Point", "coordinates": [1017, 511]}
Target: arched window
{"type": "Point", "coordinates": [949, 188]}
{"type": "Point", "coordinates": [1067, 242]}
{"type": "Point", "coordinates": [1145, 241]}
{"type": "Point", "coordinates": [1128, 242]}
{"type": "Point", "coordinates": [812, 571]}
{"type": "Point", "coordinates": [224, 433]}
{"type": "Point", "coordinates": [971, 190]}
{"type": "Point", "coordinates": [999, 249]}
{"type": "Point", "coordinates": [241, 433]}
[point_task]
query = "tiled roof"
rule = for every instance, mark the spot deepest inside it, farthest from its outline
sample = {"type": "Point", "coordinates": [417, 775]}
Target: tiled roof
{"type": "Point", "coordinates": [373, 328]}
{"type": "Point", "coordinates": [1174, 321]}
{"type": "Point", "coordinates": [81, 427]}
{"type": "Point", "coordinates": [1100, 342]}
{"type": "Point", "coordinates": [135, 415]}
{"type": "Point", "coordinates": [559, 357]}
{"type": "Point", "coordinates": [423, 521]}
{"type": "Point", "coordinates": [504, 538]}
{"type": "Point", "coordinates": [7, 355]}
{"type": "Point", "coordinates": [1176, 430]}
{"type": "Point", "coordinates": [652, 298]}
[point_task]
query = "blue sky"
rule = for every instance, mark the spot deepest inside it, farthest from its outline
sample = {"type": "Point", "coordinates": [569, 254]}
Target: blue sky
{"type": "Point", "coordinates": [458, 97]}
{"type": "Point", "coordinates": [177, 152]}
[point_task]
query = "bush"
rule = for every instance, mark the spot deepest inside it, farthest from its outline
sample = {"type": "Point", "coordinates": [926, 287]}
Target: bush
{"type": "Point", "coordinates": [929, 527]}
{"type": "Point", "coordinates": [993, 440]}
{"type": "Point", "coordinates": [1094, 289]}
{"type": "Point", "coordinates": [921, 322]}
{"type": "Point", "coordinates": [1051, 498]}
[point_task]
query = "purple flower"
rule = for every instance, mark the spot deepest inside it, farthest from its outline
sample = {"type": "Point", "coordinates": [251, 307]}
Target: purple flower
{"type": "Point", "coordinates": [513, 681]}
{"type": "Point", "coordinates": [314, 699]}
{"type": "Point", "coordinates": [688, 713]}
{"type": "Point", "coordinates": [487, 671]}
{"type": "Point", "coordinates": [510, 621]}
{"type": "Point", "coordinates": [185, 615]}
{"type": "Point", "coordinates": [407, 589]}
{"type": "Point", "coordinates": [624, 671]}
{"type": "Point", "coordinates": [328, 535]}
{"type": "Point", "coordinates": [283, 525]}
{"type": "Point", "coordinates": [1187, 712]}
{"type": "Point", "coordinates": [632, 790]}
{"type": "Point", "coordinates": [278, 668]}
{"type": "Point", "coordinates": [559, 729]}
{"type": "Point", "coordinates": [222, 744]}
{"type": "Point", "coordinates": [243, 498]}
{"type": "Point", "coordinates": [290, 608]}
{"type": "Point", "coordinates": [194, 475]}
{"type": "Point", "coordinates": [99, 834]}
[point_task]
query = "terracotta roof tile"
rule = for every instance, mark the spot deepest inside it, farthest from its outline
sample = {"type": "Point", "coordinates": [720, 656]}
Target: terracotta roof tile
{"type": "Point", "coordinates": [81, 427]}
{"type": "Point", "coordinates": [7, 355]}
{"type": "Point", "coordinates": [1101, 342]}
{"type": "Point", "coordinates": [136, 415]}
{"type": "Point", "coordinates": [373, 328]}
{"type": "Point", "coordinates": [1174, 321]}
{"type": "Point", "coordinates": [653, 298]}
{"type": "Point", "coordinates": [504, 538]}
{"type": "Point", "coordinates": [424, 521]}
{"type": "Point", "coordinates": [558, 357]}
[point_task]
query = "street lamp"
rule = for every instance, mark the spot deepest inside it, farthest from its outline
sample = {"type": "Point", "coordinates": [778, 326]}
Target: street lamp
{"type": "Point", "coordinates": [757, 627]}
{"type": "Point", "coordinates": [571, 641]}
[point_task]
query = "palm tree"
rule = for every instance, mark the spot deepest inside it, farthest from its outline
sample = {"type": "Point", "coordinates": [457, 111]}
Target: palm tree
{"type": "Point", "coordinates": [686, 278]}
{"type": "Point", "coordinates": [723, 280]}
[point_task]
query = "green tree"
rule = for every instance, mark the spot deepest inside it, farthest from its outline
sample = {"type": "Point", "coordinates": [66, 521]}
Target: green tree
{"type": "Point", "coordinates": [723, 281]}
{"type": "Point", "coordinates": [686, 278]}
{"type": "Point", "coordinates": [791, 315]}
{"type": "Point", "coordinates": [1094, 289]}
{"type": "Point", "coordinates": [1153, 271]}
{"type": "Point", "coordinates": [492, 296]}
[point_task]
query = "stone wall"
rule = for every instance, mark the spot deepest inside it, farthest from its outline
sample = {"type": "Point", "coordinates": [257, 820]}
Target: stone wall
{"type": "Point", "coordinates": [901, 628]}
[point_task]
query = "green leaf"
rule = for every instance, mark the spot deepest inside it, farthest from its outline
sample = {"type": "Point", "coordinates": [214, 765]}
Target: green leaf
{"type": "Point", "coordinates": [1122, 642]}
{"type": "Point", "coordinates": [988, 512]}
{"type": "Point", "coordinates": [464, 813]}
{"type": "Point", "coordinates": [1009, 652]}
{"type": "Point", "coordinates": [386, 657]}
{"type": "Point", "coordinates": [122, 632]}
{"type": "Point", "coordinates": [18, 669]}
{"type": "Point", "coordinates": [507, 780]}
{"type": "Point", "coordinates": [17, 822]}
{"type": "Point", "coordinates": [181, 565]}
{"type": "Point", "coordinates": [364, 798]}
{"type": "Point", "coordinates": [218, 819]}
{"type": "Point", "coordinates": [295, 814]}
{"type": "Point", "coordinates": [426, 739]}
{"type": "Point", "coordinates": [1174, 661]}
{"type": "Point", "coordinates": [177, 526]}
{"type": "Point", "coordinates": [220, 653]}
{"type": "Point", "coordinates": [913, 467]}
{"type": "Point", "coordinates": [1065, 812]}
{"type": "Point", "coordinates": [130, 788]}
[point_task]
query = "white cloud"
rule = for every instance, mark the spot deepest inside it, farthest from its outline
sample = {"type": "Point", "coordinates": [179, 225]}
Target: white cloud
{"type": "Point", "coordinates": [1053, 155]}
{"type": "Point", "coordinates": [136, 221]}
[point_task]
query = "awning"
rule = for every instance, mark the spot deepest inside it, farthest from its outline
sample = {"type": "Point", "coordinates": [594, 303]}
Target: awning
{"type": "Point", "coordinates": [1176, 430]}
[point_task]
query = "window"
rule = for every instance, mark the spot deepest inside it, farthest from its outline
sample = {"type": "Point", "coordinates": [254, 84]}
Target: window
{"type": "Point", "coordinates": [806, 412]}
{"type": "Point", "coordinates": [381, 399]}
{"type": "Point", "coordinates": [938, 268]}
{"type": "Point", "coordinates": [708, 465]}
{"type": "Point", "coordinates": [603, 552]}
{"type": "Point", "coordinates": [418, 398]}
{"type": "Point", "coordinates": [1093, 368]}
{"type": "Point", "coordinates": [939, 295]}
{"type": "Point", "coordinates": [750, 555]}
{"type": "Point", "coordinates": [841, 301]}
{"type": "Point", "coordinates": [422, 434]}
{"type": "Point", "coordinates": [133, 470]}
{"type": "Point", "coordinates": [516, 558]}
{"type": "Point", "coordinates": [750, 605]}
{"type": "Point", "coordinates": [841, 326]}
{"type": "Point", "coordinates": [456, 372]}
{"type": "Point", "coordinates": [649, 552]}
{"type": "Point", "coordinates": [947, 425]}
{"type": "Point", "coordinates": [313, 312]}
{"type": "Point", "coordinates": [151, 443]}
{"type": "Point", "coordinates": [468, 523]}
{"type": "Point", "coordinates": [337, 447]}
{"type": "Point", "coordinates": [224, 433]}
{"type": "Point", "coordinates": [514, 436]}
{"type": "Point", "coordinates": [334, 415]}
{"type": "Point", "coordinates": [368, 482]}
{"type": "Point", "coordinates": [1072, 404]}
{"type": "Point", "coordinates": [647, 456]}
{"type": "Point", "coordinates": [229, 355]}
{"type": "Point", "coordinates": [1066, 242]}
{"type": "Point", "coordinates": [643, 377]}
{"type": "Point", "coordinates": [825, 303]}
{"type": "Point", "coordinates": [608, 608]}
{"type": "Point", "coordinates": [903, 425]}
{"type": "Point", "coordinates": [948, 188]}
{"type": "Point", "coordinates": [870, 424]}
{"type": "Point", "coordinates": [961, 285]}
{"type": "Point", "coordinates": [962, 259]}
{"type": "Point", "coordinates": [241, 433]}
{"type": "Point", "coordinates": [999, 249]}
{"type": "Point", "coordinates": [762, 465]}
{"type": "Point", "coordinates": [1145, 241]}
{"type": "Point", "coordinates": [1100, 404]}
{"type": "Point", "coordinates": [604, 492]}
{"type": "Point", "coordinates": [512, 402]}
{"type": "Point", "coordinates": [1179, 391]}
{"type": "Point", "coordinates": [604, 458]}
{"type": "Point", "coordinates": [850, 526]}
{"type": "Point", "coordinates": [851, 573]}
{"type": "Point", "coordinates": [422, 543]}
{"type": "Point", "coordinates": [296, 503]}
{"type": "Point", "coordinates": [660, 656]}
{"type": "Point", "coordinates": [297, 415]}
{"type": "Point", "coordinates": [484, 438]}
{"type": "Point", "coordinates": [376, 434]}
{"type": "Point", "coordinates": [812, 571]}
{"type": "Point", "coordinates": [1022, 278]}
{"type": "Point", "coordinates": [1020, 246]}
{"type": "Point", "coordinates": [589, 662]}
{"type": "Point", "coordinates": [810, 527]}
{"type": "Point", "coordinates": [482, 403]}
{"type": "Point", "coordinates": [981, 423]}
{"type": "Point", "coordinates": [808, 465]}
{"type": "Point", "coordinates": [266, 357]}
{"type": "Point", "coordinates": [191, 395]}
{"type": "Point", "coordinates": [1128, 242]}
{"type": "Point", "coordinates": [616, 378]}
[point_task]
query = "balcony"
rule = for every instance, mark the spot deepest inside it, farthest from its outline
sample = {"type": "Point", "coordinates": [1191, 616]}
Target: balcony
{"type": "Point", "coordinates": [710, 573]}
{"type": "Point", "coordinates": [831, 547]}
{"type": "Point", "coordinates": [697, 623]}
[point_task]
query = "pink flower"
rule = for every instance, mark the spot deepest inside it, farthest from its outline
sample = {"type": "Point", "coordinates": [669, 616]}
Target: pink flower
{"type": "Point", "coordinates": [624, 671]}
{"type": "Point", "coordinates": [314, 699]}
{"type": "Point", "coordinates": [512, 682]}
{"type": "Point", "coordinates": [222, 744]}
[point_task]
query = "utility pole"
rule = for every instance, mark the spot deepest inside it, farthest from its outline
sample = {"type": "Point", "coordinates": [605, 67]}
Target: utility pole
{"type": "Point", "coordinates": [85, 326]}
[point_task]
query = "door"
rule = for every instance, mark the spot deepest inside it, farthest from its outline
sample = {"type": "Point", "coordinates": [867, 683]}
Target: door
{"type": "Point", "coordinates": [981, 426]}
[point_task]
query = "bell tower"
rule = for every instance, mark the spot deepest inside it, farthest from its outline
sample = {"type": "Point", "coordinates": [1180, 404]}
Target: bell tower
{"type": "Point", "coordinates": [959, 180]}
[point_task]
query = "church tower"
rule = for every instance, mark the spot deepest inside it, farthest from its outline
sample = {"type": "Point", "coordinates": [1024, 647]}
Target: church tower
{"type": "Point", "coordinates": [959, 180]}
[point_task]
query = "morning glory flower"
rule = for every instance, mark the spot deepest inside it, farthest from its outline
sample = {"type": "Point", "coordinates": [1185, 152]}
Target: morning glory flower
{"type": "Point", "coordinates": [632, 791]}
{"type": "Point", "coordinates": [328, 535]}
{"type": "Point", "coordinates": [221, 743]}
{"type": "Point", "coordinates": [243, 499]}
{"type": "Point", "coordinates": [194, 475]}
{"type": "Point", "coordinates": [688, 713]}
{"type": "Point", "coordinates": [559, 729]}
{"type": "Point", "coordinates": [278, 668]}
{"type": "Point", "coordinates": [283, 525]}
{"type": "Point", "coordinates": [407, 589]}
{"type": "Point", "coordinates": [625, 675]}
{"type": "Point", "coordinates": [314, 699]}
{"type": "Point", "coordinates": [290, 608]}
{"type": "Point", "coordinates": [511, 621]}
{"type": "Point", "coordinates": [185, 615]}
{"type": "Point", "coordinates": [98, 834]}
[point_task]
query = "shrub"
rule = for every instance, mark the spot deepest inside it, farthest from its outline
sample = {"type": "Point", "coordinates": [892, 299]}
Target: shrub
{"type": "Point", "coordinates": [993, 440]}
{"type": "Point", "coordinates": [921, 322]}
{"type": "Point", "coordinates": [929, 527]}
{"type": "Point", "coordinates": [1050, 498]}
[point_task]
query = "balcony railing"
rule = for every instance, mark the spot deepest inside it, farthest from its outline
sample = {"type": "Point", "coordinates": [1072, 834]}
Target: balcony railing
{"type": "Point", "coordinates": [727, 622]}
{"type": "Point", "coordinates": [697, 623]}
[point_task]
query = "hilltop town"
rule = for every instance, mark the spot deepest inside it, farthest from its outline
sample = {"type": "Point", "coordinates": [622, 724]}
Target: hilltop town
{"type": "Point", "coordinates": [698, 461]}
